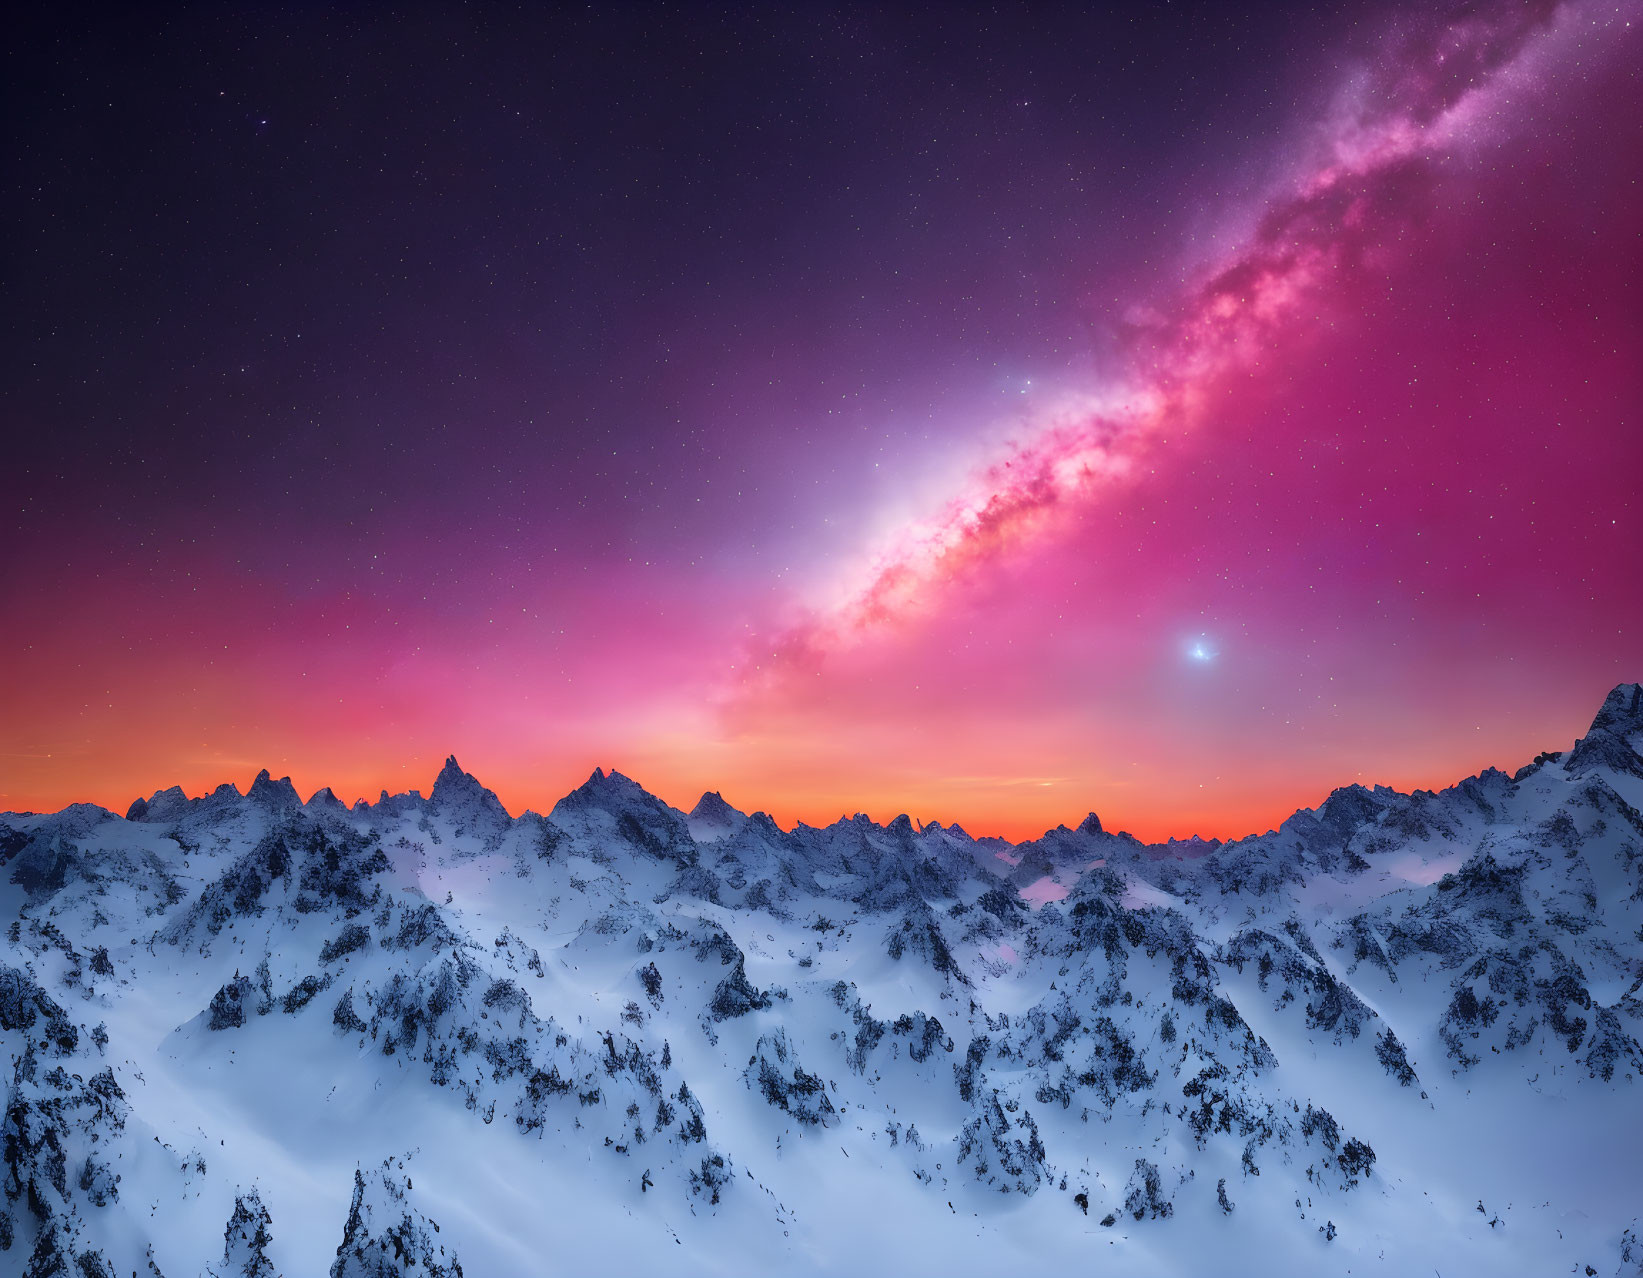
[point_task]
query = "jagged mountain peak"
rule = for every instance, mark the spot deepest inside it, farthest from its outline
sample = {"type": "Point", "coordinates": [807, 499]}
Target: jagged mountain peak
{"type": "Point", "coordinates": [1349, 805]}
{"type": "Point", "coordinates": [325, 800]}
{"type": "Point", "coordinates": [712, 818]}
{"type": "Point", "coordinates": [453, 785]}
{"type": "Point", "coordinates": [1622, 710]}
{"type": "Point", "coordinates": [172, 804]}
{"type": "Point", "coordinates": [1193, 842]}
{"type": "Point", "coordinates": [712, 806]}
{"type": "Point", "coordinates": [611, 781]}
{"type": "Point", "coordinates": [602, 789]}
{"type": "Point", "coordinates": [394, 805]}
{"type": "Point", "coordinates": [268, 793]}
{"type": "Point", "coordinates": [168, 804]}
{"type": "Point", "coordinates": [1615, 735]}
{"type": "Point", "coordinates": [611, 802]}
{"type": "Point", "coordinates": [1090, 825]}
{"type": "Point", "coordinates": [466, 804]}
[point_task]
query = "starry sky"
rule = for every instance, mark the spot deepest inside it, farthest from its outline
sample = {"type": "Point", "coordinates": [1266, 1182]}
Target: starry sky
{"type": "Point", "coordinates": [1172, 410]}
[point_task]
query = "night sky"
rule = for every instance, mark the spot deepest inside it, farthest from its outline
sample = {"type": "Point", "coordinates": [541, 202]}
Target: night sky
{"type": "Point", "coordinates": [1171, 410]}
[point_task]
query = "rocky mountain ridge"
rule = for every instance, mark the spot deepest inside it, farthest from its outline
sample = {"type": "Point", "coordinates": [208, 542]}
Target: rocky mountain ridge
{"type": "Point", "coordinates": [721, 1045]}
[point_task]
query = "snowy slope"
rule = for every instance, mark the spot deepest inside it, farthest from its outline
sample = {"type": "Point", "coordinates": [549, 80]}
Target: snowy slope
{"type": "Point", "coordinates": [244, 1034]}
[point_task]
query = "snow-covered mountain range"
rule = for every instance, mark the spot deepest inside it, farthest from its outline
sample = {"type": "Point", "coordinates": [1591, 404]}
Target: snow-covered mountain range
{"type": "Point", "coordinates": [243, 1034]}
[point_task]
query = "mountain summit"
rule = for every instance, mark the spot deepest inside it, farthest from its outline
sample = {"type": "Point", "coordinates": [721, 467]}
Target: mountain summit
{"type": "Point", "coordinates": [472, 808]}
{"type": "Point", "coordinates": [268, 793]}
{"type": "Point", "coordinates": [1616, 737]}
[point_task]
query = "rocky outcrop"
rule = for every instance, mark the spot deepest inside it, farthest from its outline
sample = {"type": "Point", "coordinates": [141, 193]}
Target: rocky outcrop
{"type": "Point", "coordinates": [385, 1235]}
{"type": "Point", "coordinates": [775, 1073]}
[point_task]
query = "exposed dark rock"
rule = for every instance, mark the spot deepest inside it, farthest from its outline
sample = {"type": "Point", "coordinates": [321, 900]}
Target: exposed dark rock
{"type": "Point", "coordinates": [385, 1236]}
{"type": "Point", "coordinates": [1143, 1196]}
{"type": "Point", "coordinates": [774, 1071]}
